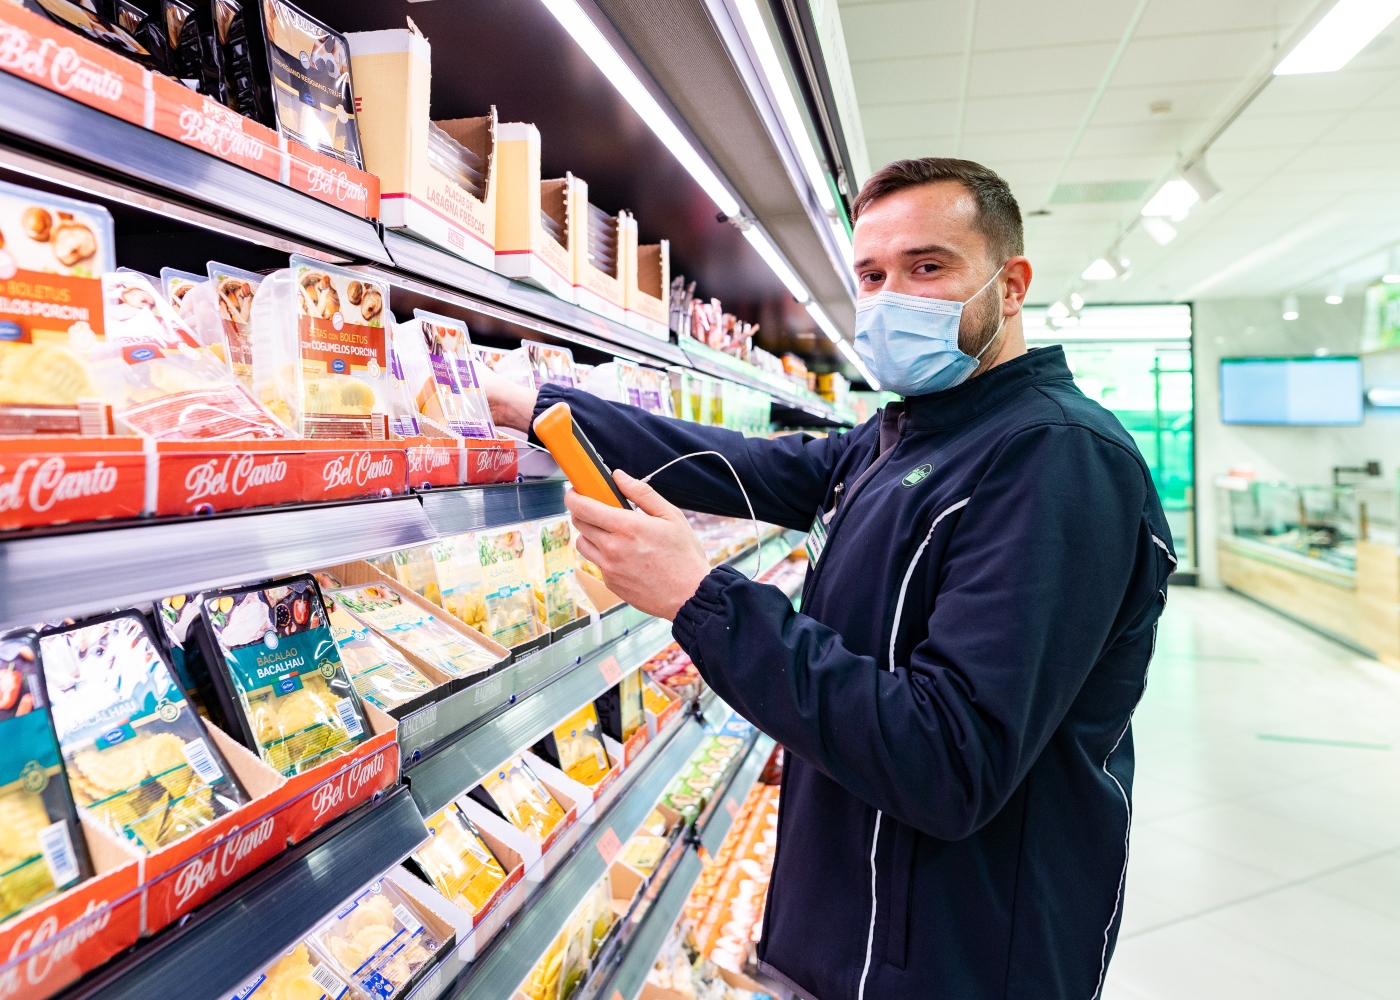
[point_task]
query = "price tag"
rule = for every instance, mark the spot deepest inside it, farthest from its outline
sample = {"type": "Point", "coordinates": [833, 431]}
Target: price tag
{"type": "Point", "coordinates": [609, 845]}
{"type": "Point", "coordinates": [731, 807]}
{"type": "Point", "coordinates": [617, 995]}
{"type": "Point", "coordinates": [611, 670]}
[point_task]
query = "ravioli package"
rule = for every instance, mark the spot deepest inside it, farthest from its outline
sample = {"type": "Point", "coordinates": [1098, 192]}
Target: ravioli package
{"type": "Point", "coordinates": [175, 615]}
{"type": "Point", "coordinates": [575, 746]}
{"type": "Point", "coordinates": [380, 674]}
{"type": "Point", "coordinates": [160, 380]}
{"type": "Point", "coordinates": [415, 569]}
{"type": "Point", "coordinates": [551, 562]}
{"type": "Point", "coordinates": [510, 600]}
{"type": "Point", "coordinates": [551, 365]}
{"type": "Point", "coordinates": [379, 941]}
{"type": "Point", "coordinates": [458, 567]}
{"type": "Point", "coordinates": [53, 253]}
{"type": "Point", "coordinates": [458, 862]}
{"type": "Point", "coordinates": [137, 755]}
{"type": "Point", "coordinates": [300, 974]}
{"type": "Point", "coordinates": [281, 674]}
{"type": "Point", "coordinates": [415, 629]}
{"type": "Point", "coordinates": [513, 792]}
{"type": "Point", "coordinates": [620, 709]}
{"type": "Point", "coordinates": [321, 351]}
{"type": "Point", "coordinates": [403, 408]}
{"type": "Point", "coordinates": [42, 850]}
{"type": "Point", "coordinates": [311, 92]}
{"type": "Point", "coordinates": [234, 290]}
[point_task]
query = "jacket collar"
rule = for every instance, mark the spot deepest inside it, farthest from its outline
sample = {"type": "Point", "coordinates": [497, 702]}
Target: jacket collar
{"type": "Point", "coordinates": [939, 410]}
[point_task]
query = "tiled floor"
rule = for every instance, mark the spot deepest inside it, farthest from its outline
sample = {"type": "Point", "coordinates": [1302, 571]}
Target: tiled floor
{"type": "Point", "coordinates": [1265, 857]}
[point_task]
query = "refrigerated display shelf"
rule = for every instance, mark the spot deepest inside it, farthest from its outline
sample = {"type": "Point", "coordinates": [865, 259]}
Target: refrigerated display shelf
{"type": "Point", "coordinates": [517, 302]}
{"type": "Point", "coordinates": [784, 392]}
{"type": "Point", "coordinates": [715, 821]}
{"type": "Point", "coordinates": [212, 953]}
{"type": "Point", "coordinates": [439, 778]}
{"type": "Point", "coordinates": [34, 115]}
{"type": "Point", "coordinates": [77, 572]}
{"type": "Point", "coordinates": [508, 960]}
{"type": "Point", "coordinates": [457, 509]}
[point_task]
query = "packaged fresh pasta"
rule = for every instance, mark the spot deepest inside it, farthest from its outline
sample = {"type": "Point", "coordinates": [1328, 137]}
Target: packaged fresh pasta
{"type": "Point", "coordinates": [513, 792]}
{"type": "Point", "coordinates": [282, 676]}
{"type": "Point", "coordinates": [575, 746]}
{"type": "Point", "coordinates": [312, 95]}
{"type": "Point", "coordinates": [380, 674]}
{"type": "Point", "coordinates": [458, 862]}
{"type": "Point", "coordinates": [460, 585]}
{"type": "Point", "coordinates": [620, 709]}
{"type": "Point", "coordinates": [54, 251]}
{"type": "Point", "coordinates": [510, 602]}
{"type": "Point", "coordinates": [42, 850]}
{"type": "Point", "coordinates": [378, 941]}
{"type": "Point", "coordinates": [301, 974]}
{"type": "Point", "coordinates": [174, 616]}
{"type": "Point", "coordinates": [160, 380]}
{"type": "Point", "coordinates": [415, 569]}
{"type": "Point", "coordinates": [409, 626]}
{"type": "Point", "coordinates": [320, 349]}
{"type": "Point", "coordinates": [176, 285]}
{"type": "Point", "coordinates": [137, 755]}
{"type": "Point", "coordinates": [403, 408]}
{"type": "Point", "coordinates": [439, 366]}
{"type": "Point", "coordinates": [551, 562]}
{"type": "Point", "coordinates": [551, 365]}
{"type": "Point", "coordinates": [644, 852]}
{"type": "Point", "coordinates": [234, 290]}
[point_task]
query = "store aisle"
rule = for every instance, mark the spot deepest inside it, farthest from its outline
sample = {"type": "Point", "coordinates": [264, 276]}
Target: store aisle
{"type": "Point", "coordinates": [1265, 858]}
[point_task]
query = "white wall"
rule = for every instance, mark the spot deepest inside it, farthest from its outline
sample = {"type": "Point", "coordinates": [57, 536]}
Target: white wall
{"type": "Point", "coordinates": [1236, 327]}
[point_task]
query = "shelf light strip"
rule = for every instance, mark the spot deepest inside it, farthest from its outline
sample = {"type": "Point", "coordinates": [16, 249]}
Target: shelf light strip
{"type": "Point", "coordinates": [605, 57]}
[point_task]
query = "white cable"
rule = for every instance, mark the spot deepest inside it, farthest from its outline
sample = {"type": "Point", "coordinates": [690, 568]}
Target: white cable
{"type": "Point", "coordinates": [757, 537]}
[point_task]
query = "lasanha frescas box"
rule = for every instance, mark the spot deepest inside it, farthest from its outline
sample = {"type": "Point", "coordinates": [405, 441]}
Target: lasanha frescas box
{"type": "Point", "coordinates": [646, 293]}
{"type": "Point", "coordinates": [437, 179]}
{"type": "Point", "coordinates": [600, 272]}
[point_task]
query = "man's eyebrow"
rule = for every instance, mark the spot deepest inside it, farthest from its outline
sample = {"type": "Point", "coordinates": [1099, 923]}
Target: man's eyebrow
{"type": "Point", "coordinates": [932, 248]}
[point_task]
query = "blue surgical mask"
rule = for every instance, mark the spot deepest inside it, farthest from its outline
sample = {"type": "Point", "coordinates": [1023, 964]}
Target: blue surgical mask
{"type": "Point", "coordinates": [910, 343]}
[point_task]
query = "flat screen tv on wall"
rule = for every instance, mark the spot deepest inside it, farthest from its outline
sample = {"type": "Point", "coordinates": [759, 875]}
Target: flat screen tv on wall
{"type": "Point", "coordinates": [1291, 391]}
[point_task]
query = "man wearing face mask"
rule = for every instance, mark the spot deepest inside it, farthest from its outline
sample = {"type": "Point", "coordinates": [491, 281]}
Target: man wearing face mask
{"type": "Point", "coordinates": [989, 560]}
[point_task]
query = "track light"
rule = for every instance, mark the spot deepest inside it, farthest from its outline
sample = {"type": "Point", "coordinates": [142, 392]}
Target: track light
{"type": "Point", "coordinates": [1057, 310]}
{"type": "Point", "coordinates": [1336, 292]}
{"type": "Point", "coordinates": [1076, 302]}
{"type": "Point", "coordinates": [1101, 270]}
{"type": "Point", "coordinates": [1201, 182]}
{"type": "Point", "coordinates": [1392, 273]}
{"type": "Point", "coordinates": [1290, 307]}
{"type": "Point", "coordinates": [1161, 231]}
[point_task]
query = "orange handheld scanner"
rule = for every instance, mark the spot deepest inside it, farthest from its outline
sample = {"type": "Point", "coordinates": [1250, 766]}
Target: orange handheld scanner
{"type": "Point", "coordinates": [575, 454]}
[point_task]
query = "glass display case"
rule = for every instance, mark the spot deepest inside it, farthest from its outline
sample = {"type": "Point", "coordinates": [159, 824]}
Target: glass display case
{"type": "Point", "coordinates": [1320, 523]}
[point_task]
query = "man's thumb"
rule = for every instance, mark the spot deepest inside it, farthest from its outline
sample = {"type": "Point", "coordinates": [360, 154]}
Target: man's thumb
{"type": "Point", "coordinates": [647, 499]}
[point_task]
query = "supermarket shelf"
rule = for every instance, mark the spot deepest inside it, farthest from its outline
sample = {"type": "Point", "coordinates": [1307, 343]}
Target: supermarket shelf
{"type": "Point", "coordinates": [654, 925]}
{"type": "Point", "coordinates": [719, 815]}
{"type": "Point", "coordinates": [510, 958]}
{"type": "Point", "coordinates": [784, 393]}
{"type": "Point", "coordinates": [228, 941]}
{"type": "Point", "coordinates": [773, 550]}
{"type": "Point", "coordinates": [35, 115]}
{"type": "Point", "coordinates": [79, 572]}
{"type": "Point", "coordinates": [516, 302]}
{"type": "Point", "coordinates": [454, 510]}
{"type": "Point", "coordinates": [438, 779]}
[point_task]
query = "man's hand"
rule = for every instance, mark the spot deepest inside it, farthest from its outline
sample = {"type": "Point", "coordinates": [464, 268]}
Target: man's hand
{"type": "Point", "coordinates": [512, 405]}
{"type": "Point", "coordinates": [649, 557]}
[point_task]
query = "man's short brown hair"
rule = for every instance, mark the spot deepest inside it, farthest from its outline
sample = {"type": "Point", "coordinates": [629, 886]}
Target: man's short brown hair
{"type": "Point", "coordinates": [998, 215]}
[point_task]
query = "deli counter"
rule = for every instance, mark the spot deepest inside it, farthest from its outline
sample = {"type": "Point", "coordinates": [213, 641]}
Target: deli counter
{"type": "Point", "coordinates": [1325, 556]}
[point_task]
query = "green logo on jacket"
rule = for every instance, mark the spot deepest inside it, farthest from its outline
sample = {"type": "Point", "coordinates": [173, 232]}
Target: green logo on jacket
{"type": "Point", "coordinates": [917, 476]}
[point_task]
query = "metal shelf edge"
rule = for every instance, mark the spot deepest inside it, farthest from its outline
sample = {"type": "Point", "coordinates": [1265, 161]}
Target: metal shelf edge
{"type": "Point", "coordinates": [655, 924]}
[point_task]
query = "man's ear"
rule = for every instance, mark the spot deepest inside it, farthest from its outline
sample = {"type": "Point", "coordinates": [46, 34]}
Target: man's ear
{"type": "Point", "coordinates": [1017, 275]}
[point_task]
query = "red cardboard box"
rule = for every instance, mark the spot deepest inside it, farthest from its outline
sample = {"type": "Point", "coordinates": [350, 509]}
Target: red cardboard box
{"type": "Point", "coordinates": [60, 480]}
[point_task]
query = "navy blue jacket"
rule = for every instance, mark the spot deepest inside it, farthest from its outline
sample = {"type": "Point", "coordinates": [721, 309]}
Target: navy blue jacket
{"type": "Point", "coordinates": [955, 695]}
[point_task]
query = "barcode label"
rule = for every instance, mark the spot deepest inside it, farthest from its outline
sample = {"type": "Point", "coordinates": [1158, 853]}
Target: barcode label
{"type": "Point", "coordinates": [58, 853]}
{"type": "Point", "coordinates": [348, 718]}
{"type": "Point", "coordinates": [409, 921]}
{"type": "Point", "coordinates": [197, 753]}
{"type": "Point", "coordinates": [333, 985]}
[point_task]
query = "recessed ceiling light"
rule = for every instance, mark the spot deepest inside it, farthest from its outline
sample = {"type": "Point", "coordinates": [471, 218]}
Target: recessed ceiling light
{"type": "Point", "coordinates": [1345, 30]}
{"type": "Point", "coordinates": [1290, 307]}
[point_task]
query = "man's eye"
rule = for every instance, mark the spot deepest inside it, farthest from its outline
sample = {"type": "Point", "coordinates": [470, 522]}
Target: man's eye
{"type": "Point", "coordinates": [927, 268]}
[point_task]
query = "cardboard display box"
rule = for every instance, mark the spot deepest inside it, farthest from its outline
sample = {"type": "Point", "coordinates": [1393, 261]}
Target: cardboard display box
{"type": "Point", "coordinates": [647, 289]}
{"type": "Point", "coordinates": [66, 63]}
{"type": "Point", "coordinates": [539, 859]}
{"type": "Point", "coordinates": [393, 83]}
{"type": "Point", "coordinates": [135, 894]}
{"type": "Point", "coordinates": [595, 289]}
{"type": "Point", "coordinates": [524, 250]}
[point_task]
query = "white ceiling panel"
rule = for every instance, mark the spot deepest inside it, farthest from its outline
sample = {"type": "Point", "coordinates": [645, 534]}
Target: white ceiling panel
{"type": "Point", "coordinates": [1310, 170]}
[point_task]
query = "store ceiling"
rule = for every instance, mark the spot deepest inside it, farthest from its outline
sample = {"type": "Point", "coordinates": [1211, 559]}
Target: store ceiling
{"type": "Point", "coordinates": [1079, 99]}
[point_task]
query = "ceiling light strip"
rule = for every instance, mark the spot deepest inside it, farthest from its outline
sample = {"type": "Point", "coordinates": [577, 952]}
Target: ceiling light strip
{"type": "Point", "coordinates": [1344, 31]}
